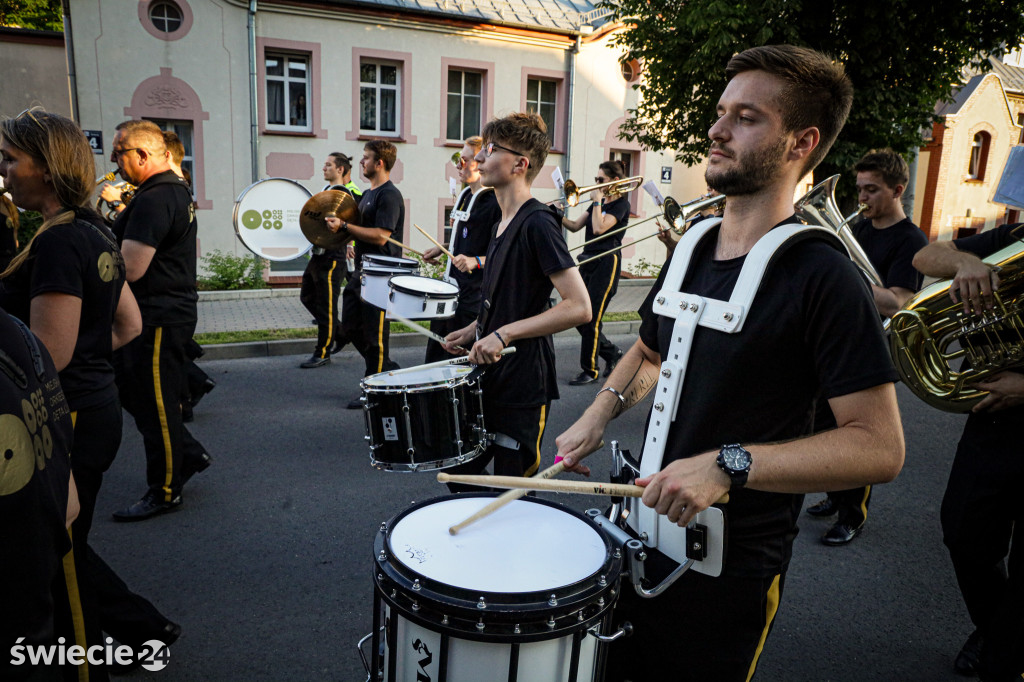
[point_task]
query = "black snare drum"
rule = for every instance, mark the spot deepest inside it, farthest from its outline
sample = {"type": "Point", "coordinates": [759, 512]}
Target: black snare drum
{"type": "Point", "coordinates": [423, 418]}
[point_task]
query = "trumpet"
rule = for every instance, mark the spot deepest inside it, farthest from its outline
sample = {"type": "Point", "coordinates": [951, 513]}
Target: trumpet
{"type": "Point", "coordinates": [678, 217]}
{"type": "Point", "coordinates": [615, 188]}
{"type": "Point", "coordinates": [109, 177]}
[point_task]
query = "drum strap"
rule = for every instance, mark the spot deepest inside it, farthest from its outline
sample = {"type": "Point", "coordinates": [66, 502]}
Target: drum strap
{"type": "Point", "coordinates": [503, 441]}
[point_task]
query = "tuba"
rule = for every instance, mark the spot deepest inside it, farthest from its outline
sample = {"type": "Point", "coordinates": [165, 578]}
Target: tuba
{"type": "Point", "coordinates": [931, 333]}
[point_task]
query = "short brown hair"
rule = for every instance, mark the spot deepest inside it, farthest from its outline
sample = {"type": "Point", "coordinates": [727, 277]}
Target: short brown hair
{"type": "Point", "coordinates": [342, 161]}
{"type": "Point", "coordinates": [476, 142]}
{"type": "Point", "coordinates": [524, 132]}
{"type": "Point", "coordinates": [174, 146]}
{"type": "Point", "coordinates": [613, 169]}
{"type": "Point", "coordinates": [383, 151]}
{"type": "Point", "coordinates": [817, 92]}
{"type": "Point", "coordinates": [888, 164]}
{"type": "Point", "coordinates": [145, 134]}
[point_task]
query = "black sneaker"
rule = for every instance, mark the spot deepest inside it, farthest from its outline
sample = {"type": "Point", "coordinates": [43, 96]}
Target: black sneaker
{"type": "Point", "coordinates": [188, 469]}
{"type": "Point", "coordinates": [355, 404]}
{"type": "Point", "coordinates": [824, 507]}
{"type": "Point", "coordinates": [609, 365]}
{"type": "Point", "coordinates": [841, 533]}
{"type": "Point", "coordinates": [966, 662]}
{"type": "Point", "coordinates": [149, 506]}
{"type": "Point", "coordinates": [315, 362]}
{"type": "Point", "coordinates": [583, 379]}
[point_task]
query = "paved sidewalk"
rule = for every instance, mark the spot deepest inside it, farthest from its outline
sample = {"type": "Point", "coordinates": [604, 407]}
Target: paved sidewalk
{"type": "Point", "coordinates": [222, 311]}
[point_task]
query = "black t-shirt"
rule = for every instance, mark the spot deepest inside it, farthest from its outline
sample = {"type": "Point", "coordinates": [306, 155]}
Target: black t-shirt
{"type": "Point", "coordinates": [618, 208]}
{"type": "Point", "coordinates": [382, 207]}
{"type": "Point", "coordinates": [162, 216]}
{"type": "Point", "coordinates": [517, 285]}
{"type": "Point", "coordinates": [811, 334]}
{"type": "Point", "coordinates": [81, 259]}
{"type": "Point", "coordinates": [35, 439]}
{"type": "Point", "coordinates": [891, 251]}
{"type": "Point", "coordinates": [473, 236]}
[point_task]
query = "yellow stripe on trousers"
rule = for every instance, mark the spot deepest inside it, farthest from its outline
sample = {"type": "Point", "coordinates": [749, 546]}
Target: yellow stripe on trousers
{"type": "Point", "coordinates": [600, 312]}
{"type": "Point", "coordinates": [771, 608]}
{"type": "Point", "coordinates": [540, 435]}
{"type": "Point", "coordinates": [161, 411]}
{"type": "Point", "coordinates": [330, 309]}
{"type": "Point", "coordinates": [380, 344]}
{"type": "Point", "coordinates": [864, 503]}
{"type": "Point", "coordinates": [75, 603]}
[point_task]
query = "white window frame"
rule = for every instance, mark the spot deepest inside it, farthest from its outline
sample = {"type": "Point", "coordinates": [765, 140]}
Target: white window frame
{"type": "Point", "coordinates": [533, 104]}
{"type": "Point", "coordinates": [377, 87]}
{"type": "Point", "coordinates": [155, 18]}
{"type": "Point", "coordinates": [286, 80]}
{"type": "Point", "coordinates": [462, 103]}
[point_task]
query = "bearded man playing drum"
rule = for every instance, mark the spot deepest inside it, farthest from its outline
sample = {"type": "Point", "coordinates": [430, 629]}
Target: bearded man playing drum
{"type": "Point", "coordinates": [799, 398]}
{"type": "Point", "coordinates": [527, 256]}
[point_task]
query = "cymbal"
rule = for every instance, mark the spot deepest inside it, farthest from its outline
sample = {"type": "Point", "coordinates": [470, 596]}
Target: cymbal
{"type": "Point", "coordinates": [331, 202]}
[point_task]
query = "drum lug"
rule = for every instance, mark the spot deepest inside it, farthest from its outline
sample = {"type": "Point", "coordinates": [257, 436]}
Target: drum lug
{"type": "Point", "coordinates": [383, 526]}
{"type": "Point", "coordinates": [625, 630]}
{"type": "Point", "coordinates": [551, 623]}
{"type": "Point", "coordinates": [553, 600]}
{"type": "Point", "coordinates": [415, 583]}
{"type": "Point", "coordinates": [415, 606]}
{"type": "Point", "coordinates": [480, 625]}
{"type": "Point", "coordinates": [481, 604]}
{"type": "Point", "coordinates": [517, 630]}
{"type": "Point", "coordinates": [382, 556]}
{"type": "Point", "coordinates": [444, 619]}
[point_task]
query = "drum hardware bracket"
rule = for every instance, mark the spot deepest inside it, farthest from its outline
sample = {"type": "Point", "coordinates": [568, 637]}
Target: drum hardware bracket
{"type": "Point", "coordinates": [696, 542]}
{"type": "Point", "coordinates": [625, 630]}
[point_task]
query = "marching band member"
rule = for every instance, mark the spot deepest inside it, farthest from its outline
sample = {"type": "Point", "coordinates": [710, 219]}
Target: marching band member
{"type": "Point", "coordinates": [526, 258]}
{"type": "Point", "coordinates": [606, 212]}
{"type": "Point", "coordinates": [476, 212]}
{"type": "Point", "coordinates": [799, 398]}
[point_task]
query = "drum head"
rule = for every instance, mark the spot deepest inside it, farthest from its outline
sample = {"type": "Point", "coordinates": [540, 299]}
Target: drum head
{"type": "Point", "coordinates": [417, 376]}
{"type": "Point", "coordinates": [416, 285]}
{"type": "Point", "coordinates": [389, 262]}
{"type": "Point", "coordinates": [523, 547]}
{"type": "Point", "coordinates": [266, 219]}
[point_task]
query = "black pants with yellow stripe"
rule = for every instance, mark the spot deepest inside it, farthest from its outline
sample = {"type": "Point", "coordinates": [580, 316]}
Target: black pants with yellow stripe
{"type": "Point", "coordinates": [524, 425]}
{"type": "Point", "coordinates": [700, 629]}
{"type": "Point", "coordinates": [364, 326]}
{"type": "Point", "coordinates": [852, 505]}
{"type": "Point", "coordinates": [151, 378]}
{"type": "Point", "coordinates": [321, 286]}
{"type": "Point", "coordinates": [602, 279]}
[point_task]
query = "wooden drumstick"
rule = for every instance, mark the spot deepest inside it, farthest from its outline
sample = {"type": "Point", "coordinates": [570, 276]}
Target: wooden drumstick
{"type": "Point", "coordinates": [434, 241]}
{"type": "Point", "coordinates": [580, 487]}
{"type": "Point", "coordinates": [407, 248]}
{"type": "Point", "coordinates": [513, 494]}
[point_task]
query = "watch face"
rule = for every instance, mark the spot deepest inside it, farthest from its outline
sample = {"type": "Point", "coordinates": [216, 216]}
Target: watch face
{"type": "Point", "coordinates": [736, 459]}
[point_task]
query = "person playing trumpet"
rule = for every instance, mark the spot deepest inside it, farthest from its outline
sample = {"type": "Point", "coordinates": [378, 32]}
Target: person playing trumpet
{"type": "Point", "coordinates": [608, 210]}
{"type": "Point", "coordinates": [473, 220]}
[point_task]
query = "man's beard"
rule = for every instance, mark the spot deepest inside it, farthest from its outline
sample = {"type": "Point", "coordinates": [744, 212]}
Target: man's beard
{"type": "Point", "coordinates": [750, 173]}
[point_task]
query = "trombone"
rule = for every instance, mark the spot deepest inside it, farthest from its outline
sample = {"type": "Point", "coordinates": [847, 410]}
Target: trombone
{"type": "Point", "coordinates": [677, 216]}
{"type": "Point", "coordinates": [615, 189]}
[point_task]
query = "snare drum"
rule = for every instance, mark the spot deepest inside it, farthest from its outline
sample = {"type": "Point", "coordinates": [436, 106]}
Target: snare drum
{"type": "Point", "coordinates": [514, 597]}
{"type": "Point", "coordinates": [422, 298]}
{"type": "Point", "coordinates": [419, 419]}
{"type": "Point", "coordinates": [376, 271]}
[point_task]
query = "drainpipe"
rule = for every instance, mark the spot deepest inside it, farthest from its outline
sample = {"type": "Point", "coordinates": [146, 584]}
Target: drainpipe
{"type": "Point", "coordinates": [572, 97]}
{"type": "Point", "coordinates": [254, 130]}
{"type": "Point", "coordinates": [69, 52]}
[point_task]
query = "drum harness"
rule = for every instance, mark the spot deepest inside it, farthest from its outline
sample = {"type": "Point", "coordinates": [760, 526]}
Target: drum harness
{"type": "Point", "coordinates": [703, 552]}
{"type": "Point", "coordinates": [457, 217]}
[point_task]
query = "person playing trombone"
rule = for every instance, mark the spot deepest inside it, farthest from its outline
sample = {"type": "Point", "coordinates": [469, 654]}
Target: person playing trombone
{"type": "Point", "coordinates": [609, 210]}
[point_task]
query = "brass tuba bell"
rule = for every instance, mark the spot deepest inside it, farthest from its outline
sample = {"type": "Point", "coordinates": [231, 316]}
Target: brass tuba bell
{"type": "Point", "coordinates": [931, 334]}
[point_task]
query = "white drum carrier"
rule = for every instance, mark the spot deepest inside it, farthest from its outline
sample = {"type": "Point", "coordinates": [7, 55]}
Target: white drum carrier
{"type": "Point", "coordinates": [526, 596]}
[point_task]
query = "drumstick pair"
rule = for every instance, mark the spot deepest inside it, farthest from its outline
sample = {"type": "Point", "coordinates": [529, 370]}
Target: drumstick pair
{"type": "Point", "coordinates": [420, 329]}
{"type": "Point", "coordinates": [407, 248]}
{"type": "Point", "coordinates": [434, 241]}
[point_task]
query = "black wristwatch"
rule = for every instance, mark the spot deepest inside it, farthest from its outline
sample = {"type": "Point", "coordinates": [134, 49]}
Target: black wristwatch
{"type": "Point", "coordinates": [735, 461]}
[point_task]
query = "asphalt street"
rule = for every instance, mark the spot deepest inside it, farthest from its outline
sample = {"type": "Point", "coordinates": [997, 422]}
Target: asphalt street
{"type": "Point", "coordinates": [267, 564]}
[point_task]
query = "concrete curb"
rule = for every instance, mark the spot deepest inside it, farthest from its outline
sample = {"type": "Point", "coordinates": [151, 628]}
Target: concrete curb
{"type": "Point", "coordinates": [263, 349]}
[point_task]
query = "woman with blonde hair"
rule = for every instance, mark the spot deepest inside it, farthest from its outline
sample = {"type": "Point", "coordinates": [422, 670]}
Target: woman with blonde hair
{"type": "Point", "coordinates": [68, 283]}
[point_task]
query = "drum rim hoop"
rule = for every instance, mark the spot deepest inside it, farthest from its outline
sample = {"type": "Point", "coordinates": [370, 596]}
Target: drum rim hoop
{"type": "Point", "coordinates": [430, 295]}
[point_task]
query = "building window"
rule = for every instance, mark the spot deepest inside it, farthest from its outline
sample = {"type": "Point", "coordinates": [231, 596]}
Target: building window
{"type": "Point", "coordinates": [630, 70]}
{"type": "Point", "coordinates": [448, 224]}
{"type": "Point", "coordinates": [379, 98]}
{"type": "Point", "coordinates": [166, 16]}
{"type": "Point", "coordinates": [183, 129]}
{"type": "Point", "coordinates": [979, 155]}
{"type": "Point", "coordinates": [540, 99]}
{"type": "Point", "coordinates": [465, 103]}
{"type": "Point", "coordinates": [1020, 122]}
{"type": "Point", "coordinates": [288, 92]}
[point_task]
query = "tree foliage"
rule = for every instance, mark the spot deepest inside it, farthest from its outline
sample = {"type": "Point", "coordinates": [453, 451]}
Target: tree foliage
{"type": "Point", "coordinates": [43, 15]}
{"type": "Point", "coordinates": [903, 57]}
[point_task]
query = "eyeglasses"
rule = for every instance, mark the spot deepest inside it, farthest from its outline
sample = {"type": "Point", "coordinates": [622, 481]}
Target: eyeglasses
{"type": "Point", "coordinates": [117, 154]}
{"type": "Point", "coordinates": [491, 146]}
{"type": "Point", "coordinates": [599, 180]}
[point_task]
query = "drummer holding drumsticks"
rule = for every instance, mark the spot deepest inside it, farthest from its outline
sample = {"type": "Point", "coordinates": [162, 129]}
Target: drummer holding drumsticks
{"type": "Point", "coordinates": [527, 257]}
{"type": "Point", "coordinates": [473, 220]}
{"type": "Point", "coordinates": [799, 398]}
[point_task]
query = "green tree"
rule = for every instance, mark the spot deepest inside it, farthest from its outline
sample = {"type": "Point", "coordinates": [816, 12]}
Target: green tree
{"type": "Point", "coordinates": [44, 15]}
{"type": "Point", "coordinates": [903, 56]}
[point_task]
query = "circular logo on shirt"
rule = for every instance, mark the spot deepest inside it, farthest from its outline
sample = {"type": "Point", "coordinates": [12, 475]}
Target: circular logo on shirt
{"type": "Point", "coordinates": [17, 454]}
{"type": "Point", "coordinates": [105, 265]}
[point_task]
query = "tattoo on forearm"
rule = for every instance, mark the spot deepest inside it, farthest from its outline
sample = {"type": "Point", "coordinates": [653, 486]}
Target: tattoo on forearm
{"type": "Point", "coordinates": [639, 385]}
